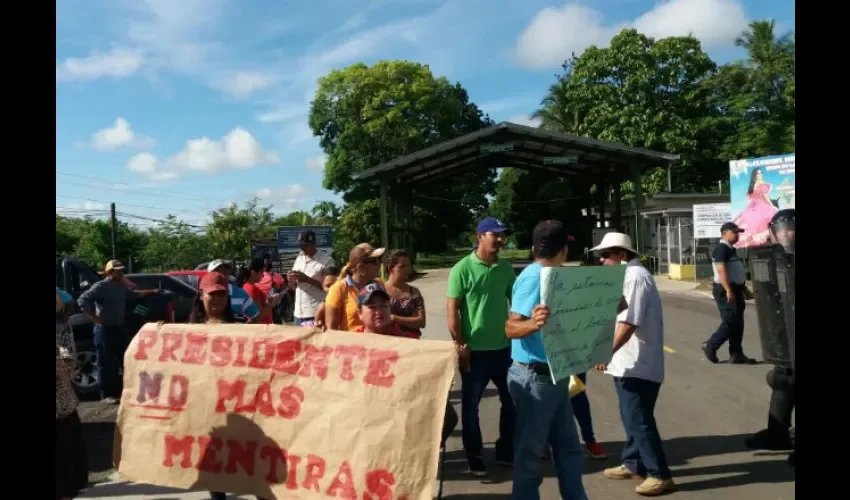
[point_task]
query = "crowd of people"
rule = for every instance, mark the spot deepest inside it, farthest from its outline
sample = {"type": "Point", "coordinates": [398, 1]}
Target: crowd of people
{"type": "Point", "coordinates": [494, 319]}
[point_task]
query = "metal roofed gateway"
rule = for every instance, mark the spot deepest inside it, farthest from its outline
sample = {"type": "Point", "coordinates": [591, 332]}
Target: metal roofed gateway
{"type": "Point", "coordinates": [510, 145]}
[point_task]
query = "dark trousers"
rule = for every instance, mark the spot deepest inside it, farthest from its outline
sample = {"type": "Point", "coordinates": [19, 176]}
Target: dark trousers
{"type": "Point", "coordinates": [731, 320]}
{"type": "Point", "coordinates": [581, 409]}
{"type": "Point", "coordinates": [110, 342]}
{"type": "Point", "coordinates": [643, 453]}
{"type": "Point", "coordinates": [487, 366]}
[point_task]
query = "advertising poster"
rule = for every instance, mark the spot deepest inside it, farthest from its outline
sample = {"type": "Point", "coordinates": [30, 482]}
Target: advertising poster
{"type": "Point", "coordinates": [287, 240]}
{"type": "Point", "coordinates": [708, 217]}
{"type": "Point", "coordinates": [760, 187]}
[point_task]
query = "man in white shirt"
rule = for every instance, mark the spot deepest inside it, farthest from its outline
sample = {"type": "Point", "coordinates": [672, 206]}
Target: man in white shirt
{"type": "Point", "coordinates": [306, 277]}
{"type": "Point", "coordinates": [637, 366]}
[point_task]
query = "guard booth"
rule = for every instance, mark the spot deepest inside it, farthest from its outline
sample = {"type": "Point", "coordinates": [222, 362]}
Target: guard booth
{"type": "Point", "coordinates": [673, 242]}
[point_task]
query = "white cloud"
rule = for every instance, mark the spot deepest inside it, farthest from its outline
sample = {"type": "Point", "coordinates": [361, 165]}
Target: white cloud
{"type": "Point", "coordinates": [556, 32]}
{"type": "Point", "coordinates": [147, 164]}
{"type": "Point", "coordinates": [526, 120]}
{"type": "Point", "coordinates": [316, 163]}
{"type": "Point", "coordinates": [283, 114]}
{"type": "Point", "coordinates": [117, 63]}
{"type": "Point", "coordinates": [244, 83]}
{"type": "Point", "coordinates": [238, 150]}
{"type": "Point", "coordinates": [120, 135]}
{"type": "Point", "coordinates": [286, 197]}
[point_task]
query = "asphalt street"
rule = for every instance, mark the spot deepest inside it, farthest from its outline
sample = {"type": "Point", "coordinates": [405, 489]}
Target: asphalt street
{"type": "Point", "coordinates": [704, 413]}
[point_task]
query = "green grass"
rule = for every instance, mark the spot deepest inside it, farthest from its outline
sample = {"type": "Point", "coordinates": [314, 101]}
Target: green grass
{"type": "Point", "coordinates": [450, 258]}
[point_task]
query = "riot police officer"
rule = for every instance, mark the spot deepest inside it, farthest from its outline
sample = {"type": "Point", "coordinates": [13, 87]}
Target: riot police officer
{"type": "Point", "coordinates": [778, 338]}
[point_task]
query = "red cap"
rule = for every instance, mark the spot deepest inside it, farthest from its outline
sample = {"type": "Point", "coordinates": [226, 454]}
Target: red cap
{"type": "Point", "coordinates": [213, 282]}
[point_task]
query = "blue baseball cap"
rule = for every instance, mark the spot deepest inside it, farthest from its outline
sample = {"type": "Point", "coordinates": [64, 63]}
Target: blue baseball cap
{"type": "Point", "coordinates": [369, 291]}
{"type": "Point", "coordinates": [491, 225]}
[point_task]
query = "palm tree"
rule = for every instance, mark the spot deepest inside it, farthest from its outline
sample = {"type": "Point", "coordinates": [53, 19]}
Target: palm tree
{"type": "Point", "coordinates": [766, 51]}
{"type": "Point", "coordinates": [557, 112]}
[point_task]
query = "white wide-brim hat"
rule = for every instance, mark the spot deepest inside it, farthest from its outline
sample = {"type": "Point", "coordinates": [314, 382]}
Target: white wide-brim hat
{"type": "Point", "coordinates": [615, 240]}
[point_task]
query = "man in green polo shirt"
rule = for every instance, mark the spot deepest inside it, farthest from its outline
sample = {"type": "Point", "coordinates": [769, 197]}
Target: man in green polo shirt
{"type": "Point", "coordinates": [479, 290]}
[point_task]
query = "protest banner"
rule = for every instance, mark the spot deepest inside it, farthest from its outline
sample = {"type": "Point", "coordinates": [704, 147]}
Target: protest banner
{"type": "Point", "coordinates": [283, 412]}
{"type": "Point", "coordinates": [582, 305]}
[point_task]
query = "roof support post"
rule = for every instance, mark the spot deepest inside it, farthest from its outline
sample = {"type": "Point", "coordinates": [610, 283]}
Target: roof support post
{"type": "Point", "coordinates": [617, 219]}
{"type": "Point", "coordinates": [601, 191]}
{"type": "Point", "coordinates": [637, 182]}
{"type": "Point", "coordinates": [385, 234]}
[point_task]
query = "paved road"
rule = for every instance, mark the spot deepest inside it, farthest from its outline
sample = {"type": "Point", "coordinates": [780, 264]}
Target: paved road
{"type": "Point", "coordinates": [704, 413]}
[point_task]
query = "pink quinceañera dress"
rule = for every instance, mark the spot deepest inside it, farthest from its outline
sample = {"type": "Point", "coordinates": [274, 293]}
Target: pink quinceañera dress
{"type": "Point", "coordinates": [755, 217]}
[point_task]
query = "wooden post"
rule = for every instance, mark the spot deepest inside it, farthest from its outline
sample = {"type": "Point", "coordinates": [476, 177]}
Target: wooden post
{"type": "Point", "coordinates": [638, 204]}
{"type": "Point", "coordinates": [385, 235]}
{"type": "Point", "coordinates": [617, 220]}
{"type": "Point", "coordinates": [601, 188]}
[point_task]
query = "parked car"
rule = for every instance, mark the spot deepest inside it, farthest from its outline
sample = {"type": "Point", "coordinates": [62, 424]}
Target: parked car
{"type": "Point", "coordinates": [75, 276]}
{"type": "Point", "coordinates": [184, 293]}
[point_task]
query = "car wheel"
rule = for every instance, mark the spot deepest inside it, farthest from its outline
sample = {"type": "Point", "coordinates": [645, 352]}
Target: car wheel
{"type": "Point", "coordinates": [86, 379]}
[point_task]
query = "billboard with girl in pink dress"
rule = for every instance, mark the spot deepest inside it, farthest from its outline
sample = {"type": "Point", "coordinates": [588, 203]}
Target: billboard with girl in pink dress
{"type": "Point", "coordinates": [760, 187]}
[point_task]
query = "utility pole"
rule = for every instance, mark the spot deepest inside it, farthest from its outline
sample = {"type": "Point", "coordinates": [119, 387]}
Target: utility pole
{"type": "Point", "coordinates": [114, 225]}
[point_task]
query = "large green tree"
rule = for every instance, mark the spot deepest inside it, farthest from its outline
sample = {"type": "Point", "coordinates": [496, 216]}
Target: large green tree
{"type": "Point", "coordinates": [232, 228]}
{"type": "Point", "coordinates": [757, 95]}
{"type": "Point", "coordinates": [172, 244]}
{"type": "Point", "coordinates": [368, 115]}
{"type": "Point", "coordinates": [646, 93]}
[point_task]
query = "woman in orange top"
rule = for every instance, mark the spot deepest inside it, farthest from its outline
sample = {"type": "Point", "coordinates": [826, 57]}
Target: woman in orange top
{"type": "Point", "coordinates": [363, 268]}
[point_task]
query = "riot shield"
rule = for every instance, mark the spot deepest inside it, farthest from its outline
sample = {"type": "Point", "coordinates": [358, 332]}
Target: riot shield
{"type": "Point", "coordinates": [769, 305]}
{"type": "Point", "coordinates": [786, 281]}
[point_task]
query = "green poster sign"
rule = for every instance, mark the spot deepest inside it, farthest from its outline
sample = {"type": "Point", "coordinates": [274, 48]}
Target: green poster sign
{"type": "Point", "coordinates": [582, 305]}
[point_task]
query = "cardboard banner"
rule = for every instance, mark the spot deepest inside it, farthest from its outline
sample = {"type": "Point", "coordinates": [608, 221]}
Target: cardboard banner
{"type": "Point", "coordinates": [283, 412]}
{"type": "Point", "coordinates": [582, 314]}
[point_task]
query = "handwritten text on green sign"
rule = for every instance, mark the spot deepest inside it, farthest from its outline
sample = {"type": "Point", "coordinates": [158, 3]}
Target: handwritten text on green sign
{"type": "Point", "coordinates": [582, 312]}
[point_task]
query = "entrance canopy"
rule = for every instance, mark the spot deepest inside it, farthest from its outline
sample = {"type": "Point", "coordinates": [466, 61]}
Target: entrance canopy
{"type": "Point", "coordinates": [511, 145]}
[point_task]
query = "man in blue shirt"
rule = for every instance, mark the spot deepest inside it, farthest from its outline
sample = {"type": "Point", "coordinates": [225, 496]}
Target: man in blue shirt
{"type": "Point", "coordinates": [240, 301]}
{"type": "Point", "coordinates": [544, 413]}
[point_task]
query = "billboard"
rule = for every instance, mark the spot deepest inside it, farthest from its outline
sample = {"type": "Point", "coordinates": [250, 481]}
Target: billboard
{"type": "Point", "coordinates": [287, 239]}
{"type": "Point", "coordinates": [708, 217]}
{"type": "Point", "coordinates": [760, 187]}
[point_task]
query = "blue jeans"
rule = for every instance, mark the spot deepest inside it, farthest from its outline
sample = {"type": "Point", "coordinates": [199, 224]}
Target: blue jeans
{"type": "Point", "coordinates": [110, 342]}
{"type": "Point", "coordinates": [544, 415]}
{"type": "Point", "coordinates": [484, 367]}
{"type": "Point", "coordinates": [581, 407]}
{"type": "Point", "coordinates": [643, 453]}
{"type": "Point", "coordinates": [731, 320]}
{"type": "Point", "coordinates": [299, 321]}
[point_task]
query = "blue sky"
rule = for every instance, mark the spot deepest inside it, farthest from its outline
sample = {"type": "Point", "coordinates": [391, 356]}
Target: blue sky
{"type": "Point", "coordinates": [181, 107]}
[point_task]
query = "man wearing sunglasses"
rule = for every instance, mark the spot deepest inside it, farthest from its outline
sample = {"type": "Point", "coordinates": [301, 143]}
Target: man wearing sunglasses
{"type": "Point", "coordinates": [637, 366]}
{"type": "Point", "coordinates": [478, 294]}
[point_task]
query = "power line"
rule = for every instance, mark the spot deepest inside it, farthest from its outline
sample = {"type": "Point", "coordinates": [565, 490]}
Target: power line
{"type": "Point", "coordinates": [182, 195]}
{"type": "Point", "coordinates": [127, 204]}
{"type": "Point", "coordinates": [151, 220]}
{"type": "Point", "coordinates": [129, 192]}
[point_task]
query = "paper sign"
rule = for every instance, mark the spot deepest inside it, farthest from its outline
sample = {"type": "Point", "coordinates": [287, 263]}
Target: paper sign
{"type": "Point", "coordinates": [582, 305]}
{"type": "Point", "coordinates": [283, 412]}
